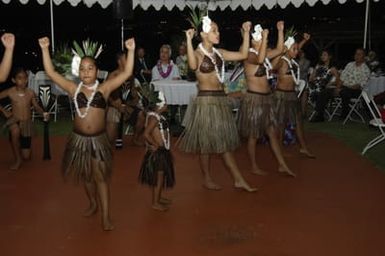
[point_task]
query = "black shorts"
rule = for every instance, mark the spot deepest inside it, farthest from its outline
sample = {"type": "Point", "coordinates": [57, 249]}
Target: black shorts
{"type": "Point", "coordinates": [25, 141]}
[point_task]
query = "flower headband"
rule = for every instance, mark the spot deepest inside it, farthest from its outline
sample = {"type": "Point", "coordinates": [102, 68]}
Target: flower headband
{"type": "Point", "coordinates": [89, 48]}
{"type": "Point", "coordinates": [289, 42]}
{"type": "Point", "coordinates": [257, 35]}
{"type": "Point", "coordinates": [206, 21]}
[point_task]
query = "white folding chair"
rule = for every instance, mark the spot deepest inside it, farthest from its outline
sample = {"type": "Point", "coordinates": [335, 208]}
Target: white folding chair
{"type": "Point", "coordinates": [335, 105]}
{"type": "Point", "coordinates": [376, 121]}
{"type": "Point", "coordinates": [300, 87]}
{"type": "Point", "coordinates": [102, 75]}
{"type": "Point", "coordinates": [355, 106]}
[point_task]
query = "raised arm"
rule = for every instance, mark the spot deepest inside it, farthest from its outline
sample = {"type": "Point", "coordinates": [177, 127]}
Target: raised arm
{"type": "Point", "coordinates": [115, 82]}
{"type": "Point", "coordinates": [191, 58]}
{"type": "Point", "coordinates": [244, 50]}
{"type": "Point", "coordinates": [280, 47]}
{"type": "Point", "coordinates": [306, 38]}
{"type": "Point", "coordinates": [8, 41]}
{"type": "Point", "coordinates": [67, 85]}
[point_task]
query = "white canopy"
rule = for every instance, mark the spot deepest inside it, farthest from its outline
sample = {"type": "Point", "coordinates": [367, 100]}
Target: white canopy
{"type": "Point", "coordinates": [181, 4]}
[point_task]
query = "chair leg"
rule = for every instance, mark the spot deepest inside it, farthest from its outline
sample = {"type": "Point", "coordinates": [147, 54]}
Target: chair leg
{"type": "Point", "coordinates": [373, 142]}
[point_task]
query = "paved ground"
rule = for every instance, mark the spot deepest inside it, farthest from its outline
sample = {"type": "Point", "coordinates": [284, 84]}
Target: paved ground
{"type": "Point", "coordinates": [334, 207]}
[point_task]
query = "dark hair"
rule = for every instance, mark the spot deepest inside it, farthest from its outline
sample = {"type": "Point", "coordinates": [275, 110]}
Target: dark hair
{"type": "Point", "coordinates": [361, 49]}
{"type": "Point", "coordinates": [91, 59]}
{"type": "Point", "coordinates": [18, 70]}
{"type": "Point", "coordinates": [331, 61]}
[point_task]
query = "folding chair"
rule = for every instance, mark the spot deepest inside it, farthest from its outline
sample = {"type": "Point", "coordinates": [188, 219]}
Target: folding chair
{"type": "Point", "coordinates": [354, 105]}
{"type": "Point", "coordinates": [376, 121]}
{"type": "Point", "coordinates": [102, 75]}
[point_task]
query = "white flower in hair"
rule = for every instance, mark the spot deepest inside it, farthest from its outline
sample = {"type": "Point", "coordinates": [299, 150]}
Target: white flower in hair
{"type": "Point", "coordinates": [75, 65]}
{"type": "Point", "coordinates": [257, 35]}
{"type": "Point", "coordinates": [289, 42]}
{"type": "Point", "coordinates": [206, 27]}
{"type": "Point", "coordinates": [162, 100]}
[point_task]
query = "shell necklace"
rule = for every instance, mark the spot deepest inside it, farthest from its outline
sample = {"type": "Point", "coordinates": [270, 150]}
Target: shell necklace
{"type": "Point", "coordinates": [221, 77]}
{"type": "Point", "coordinates": [266, 64]}
{"type": "Point", "coordinates": [290, 63]}
{"type": "Point", "coordinates": [89, 100]}
{"type": "Point", "coordinates": [166, 142]}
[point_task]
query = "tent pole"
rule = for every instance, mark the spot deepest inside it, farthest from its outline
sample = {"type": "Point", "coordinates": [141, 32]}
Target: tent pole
{"type": "Point", "coordinates": [366, 23]}
{"type": "Point", "coordinates": [122, 33]}
{"type": "Point", "coordinates": [52, 29]}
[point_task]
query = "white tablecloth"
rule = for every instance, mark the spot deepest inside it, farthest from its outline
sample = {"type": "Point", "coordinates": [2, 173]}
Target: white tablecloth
{"type": "Point", "coordinates": [375, 85]}
{"type": "Point", "coordinates": [177, 92]}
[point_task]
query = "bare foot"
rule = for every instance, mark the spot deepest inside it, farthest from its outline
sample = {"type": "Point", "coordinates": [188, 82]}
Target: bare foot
{"type": "Point", "coordinates": [15, 166]}
{"type": "Point", "coordinates": [258, 171]}
{"type": "Point", "coordinates": [286, 171]}
{"type": "Point", "coordinates": [159, 207]}
{"type": "Point", "coordinates": [243, 185]}
{"type": "Point", "coordinates": [107, 225]}
{"type": "Point", "coordinates": [165, 201]}
{"type": "Point", "coordinates": [90, 210]}
{"type": "Point", "coordinates": [211, 185]}
{"type": "Point", "coordinates": [306, 153]}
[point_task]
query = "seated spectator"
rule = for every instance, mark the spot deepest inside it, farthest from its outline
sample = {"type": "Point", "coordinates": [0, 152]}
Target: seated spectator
{"type": "Point", "coordinates": [353, 78]}
{"type": "Point", "coordinates": [141, 69]}
{"type": "Point", "coordinates": [165, 68]}
{"type": "Point", "coordinates": [322, 84]}
{"type": "Point", "coordinates": [181, 61]}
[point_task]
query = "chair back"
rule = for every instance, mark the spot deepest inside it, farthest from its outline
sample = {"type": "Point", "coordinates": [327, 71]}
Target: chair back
{"type": "Point", "coordinates": [102, 75]}
{"type": "Point", "coordinates": [301, 87]}
{"type": "Point", "coordinates": [374, 111]}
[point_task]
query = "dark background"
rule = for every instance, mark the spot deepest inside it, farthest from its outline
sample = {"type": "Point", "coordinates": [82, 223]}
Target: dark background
{"type": "Point", "coordinates": [339, 27]}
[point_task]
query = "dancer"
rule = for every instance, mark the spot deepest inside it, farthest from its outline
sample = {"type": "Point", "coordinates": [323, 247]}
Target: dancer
{"type": "Point", "coordinates": [88, 154]}
{"type": "Point", "coordinates": [8, 41]}
{"type": "Point", "coordinates": [288, 107]}
{"type": "Point", "coordinates": [256, 113]}
{"type": "Point", "coordinates": [157, 168]}
{"type": "Point", "coordinates": [19, 122]}
{"type": "Point", "coordinates": [211, 129]}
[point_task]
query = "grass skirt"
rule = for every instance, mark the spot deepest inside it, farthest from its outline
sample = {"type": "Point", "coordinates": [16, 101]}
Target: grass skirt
{"type": "Point", "coordinates": [157, 161]}
{"type": "Point", "coordinates": [80, 151]}
{"type": "Point", "coordinates": [211, 127]}
{"type": "Point", "coordinates": [113, 115]}
{"type": "Point", "coordinates": [24, 126]}
{"type": "Point", "coordinates": [256, 114]}
{"type": "Point", "coordinates": [287, 106]}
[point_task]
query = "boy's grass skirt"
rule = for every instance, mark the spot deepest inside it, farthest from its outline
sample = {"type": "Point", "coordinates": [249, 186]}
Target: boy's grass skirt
{"type": "Point", "coordinates": [211, 127]}
{"type": "Point", "coordinates": [256, 114]}
{"type": "Point", "coordinates": [160, 160]}
{"type": "Point", "coordinates": [79, 153]}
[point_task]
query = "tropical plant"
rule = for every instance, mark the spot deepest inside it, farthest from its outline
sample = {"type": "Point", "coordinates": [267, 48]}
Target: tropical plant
{"type": "Point", "coordinates": [62, 58]}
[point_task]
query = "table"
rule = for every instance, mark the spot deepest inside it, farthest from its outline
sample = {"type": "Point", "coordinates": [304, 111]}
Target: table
{"type": "Point", "coordinates": [176, 92]}
{"type": "Point", "coordinates": [375, 85]}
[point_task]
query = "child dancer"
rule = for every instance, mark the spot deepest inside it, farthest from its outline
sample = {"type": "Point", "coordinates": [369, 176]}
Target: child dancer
{"type": "Point", "coordinates": [157, 168]}
{"type": "Point", "coordinates": [88, 153]}
{"type": "Point", "coordinates": [19, 123]}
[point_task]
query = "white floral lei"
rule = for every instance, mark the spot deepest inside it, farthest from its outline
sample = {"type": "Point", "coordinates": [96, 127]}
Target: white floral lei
{"type": "Point", "coordinates": [166, 143]}
{"type": "Point", "coordinates": [89, 100]}
{"type": "Point", "coordinates": [221, 77]}
{"type": "Point", "coordinates": [290, 63]}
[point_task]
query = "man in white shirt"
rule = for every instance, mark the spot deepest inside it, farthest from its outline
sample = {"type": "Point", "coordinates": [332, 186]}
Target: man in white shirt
{"type": "Point", "coordinates": [354, 77]}
{"type": "Point", "coordinates": [165, 69]}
